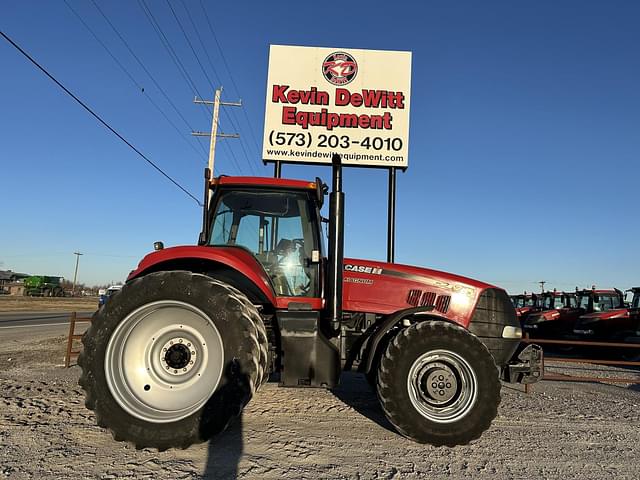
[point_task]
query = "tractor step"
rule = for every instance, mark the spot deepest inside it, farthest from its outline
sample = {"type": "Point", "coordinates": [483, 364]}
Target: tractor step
{"type": "Point", "coordinates": [309, 359]}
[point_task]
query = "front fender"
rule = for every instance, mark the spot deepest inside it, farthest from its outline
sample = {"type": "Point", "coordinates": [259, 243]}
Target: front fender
{"type": "Point", "coordinates": [376, 340]}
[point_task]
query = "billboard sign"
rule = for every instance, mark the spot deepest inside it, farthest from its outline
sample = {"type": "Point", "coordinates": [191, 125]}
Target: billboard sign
{"type": "Point", "coordinates": [322, 101]}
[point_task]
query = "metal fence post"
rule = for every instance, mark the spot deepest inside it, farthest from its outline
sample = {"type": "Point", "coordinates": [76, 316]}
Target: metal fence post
{"type": "Point", "coordinates": [72, 328]}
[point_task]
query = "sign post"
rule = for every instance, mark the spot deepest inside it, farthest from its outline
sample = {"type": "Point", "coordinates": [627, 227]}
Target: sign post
{"type": "Point", "coordinates": [354, 103]}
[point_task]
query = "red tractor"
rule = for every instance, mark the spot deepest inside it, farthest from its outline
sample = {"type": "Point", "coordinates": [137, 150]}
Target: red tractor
{"type": "Point", "coordinates": [525, 305]}
{"type": "Point", "coordinates": [611, 320]}
{"type": "Point", "coordinates": [174, 356]}
{"type": "Point", "coordinates": [635, 302]}
{"type": "Point", "coordinates": [556, 317]}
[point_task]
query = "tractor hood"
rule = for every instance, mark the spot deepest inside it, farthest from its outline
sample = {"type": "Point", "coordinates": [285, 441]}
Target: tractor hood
{"type": "Point", "coordinates": [545, 316]}
{"type": "Point", "coordinates": [385, 288]}
{"type": "Point", "coordinates": [608, 315]}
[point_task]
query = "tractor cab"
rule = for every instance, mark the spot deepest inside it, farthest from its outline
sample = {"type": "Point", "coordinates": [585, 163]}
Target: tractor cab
{"type": "Point", "coordinates": [525, 304]}
{"type": "Point", "coordinates": [605, 314]}
{"type": "Point", "coordinates": [557, 315]}
{"type": "Point", "coordinates": [596, 301]}
{"type": "Point", "coordinates": [635, 301]}
{"type": "Point", "coordinates": [279, 225]}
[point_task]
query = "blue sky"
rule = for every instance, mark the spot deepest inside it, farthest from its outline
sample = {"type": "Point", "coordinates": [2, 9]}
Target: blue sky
{"type": "Point", "coordinates": [525, 133]}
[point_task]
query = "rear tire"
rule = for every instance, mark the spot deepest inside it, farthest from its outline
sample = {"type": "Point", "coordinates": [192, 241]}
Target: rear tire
{"type": "Point", "coordinates": [438, 384]}
{"type": "Point", "coordinates": [172, 359]}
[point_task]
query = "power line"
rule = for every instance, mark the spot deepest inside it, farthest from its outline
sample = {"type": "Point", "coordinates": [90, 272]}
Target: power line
{"type": "Point", "coordinates": [233, 82]}
{"type": "Point", "coordinates": [204, 48]}
{"type": "Point", "coordinates": [186, 37]}
{"type": "Point", "coordinates": [97, 117]}
{"type": "Point", "coordinates": [142, 65]}
{"type": "Point", "coordinates": [195, 54]}
{"type": "Point", "coordinates": [233, 156]}
{"type": "Point", "coordinates": [244, 151]}
{"type": "Point", "coordinates": [172, 54]}
{"type": "Point", "coordinates": [133, 80]}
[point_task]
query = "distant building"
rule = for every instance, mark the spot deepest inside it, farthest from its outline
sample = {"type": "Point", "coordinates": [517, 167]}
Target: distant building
{"type": "Point", "coordinates": [9, 278]}
{"type": "Point", "coordinates": [16, 289]}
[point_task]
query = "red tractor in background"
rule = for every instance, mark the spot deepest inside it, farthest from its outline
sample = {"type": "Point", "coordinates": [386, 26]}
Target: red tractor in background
{"type": "Point", "coordinates": [174, 356]}
{"type": "Point", "coordinates": [525, 304]}
{"type": "Point", "coordinates": [556, 317]}
{"type": "Point", "coordinates": [634, 307]}
{"type": "Point", "coordinates": [612, 320]}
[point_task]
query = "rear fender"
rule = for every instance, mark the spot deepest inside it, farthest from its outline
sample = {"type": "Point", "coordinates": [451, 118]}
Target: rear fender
{"type": "Point", "coordinates": [231, 265]}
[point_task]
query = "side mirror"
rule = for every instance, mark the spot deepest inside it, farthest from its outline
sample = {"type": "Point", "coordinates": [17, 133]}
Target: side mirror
{"type": "Point", "coordinates": [326, 222]}
{"type": "Point", "coordinates": [321, 191]}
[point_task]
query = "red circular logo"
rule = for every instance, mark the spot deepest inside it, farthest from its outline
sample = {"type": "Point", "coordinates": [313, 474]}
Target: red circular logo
{"type": "Point", "coordinates": [339, 68]}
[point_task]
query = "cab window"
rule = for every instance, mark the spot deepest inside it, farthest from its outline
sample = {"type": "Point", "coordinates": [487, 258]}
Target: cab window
{"type": "Point", "coordinates": [602, 303]}
{"type": "Point", "coordinates": [571, 301]}
{"type": "Point", "coordinates": [584, 301]}
{"type": "Point", "coordinates": [278, 228]}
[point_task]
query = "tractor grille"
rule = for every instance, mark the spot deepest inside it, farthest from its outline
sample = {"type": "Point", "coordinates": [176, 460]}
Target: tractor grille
{"type": "Point", "coordinates": [442, 303]}
{"type": "Point", "coordinates": [495, 307]}
{"type": "Point", "coordinates": [428, 298]}
{"type": "Point", "coordinates": [419, 298]}
{"type": "Point", "coordinates": [414, 297]}
{"type": "Point", "coordinates": [493, 312]}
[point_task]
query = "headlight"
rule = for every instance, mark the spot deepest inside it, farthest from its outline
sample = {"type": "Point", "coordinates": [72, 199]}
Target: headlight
{"type": "Point", "coordinates": [511, 332]}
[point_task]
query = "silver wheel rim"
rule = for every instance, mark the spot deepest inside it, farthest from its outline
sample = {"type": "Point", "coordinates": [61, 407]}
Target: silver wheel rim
{"type": "Point", "coordinates": [164, 361]}
{"type": "Point", "coordinates": [442, 386]}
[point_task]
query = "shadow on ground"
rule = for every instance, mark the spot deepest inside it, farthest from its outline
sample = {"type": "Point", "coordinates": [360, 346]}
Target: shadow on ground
{"type": "Point", "coordinates": [224, 453]}
{"type": "Point", "coordinates": [355, 392]}
{"type": "Point", "coordinates": [226, 448]}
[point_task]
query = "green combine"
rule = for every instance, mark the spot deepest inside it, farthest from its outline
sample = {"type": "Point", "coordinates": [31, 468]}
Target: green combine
{"type": "Point", "coordinates": [43, 286]}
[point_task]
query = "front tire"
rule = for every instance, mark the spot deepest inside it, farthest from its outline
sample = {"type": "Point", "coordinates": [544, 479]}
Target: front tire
{"type": "Point", "coordinates": [438, 384]}
{"type": "Point", "coordinates": [172, 359]}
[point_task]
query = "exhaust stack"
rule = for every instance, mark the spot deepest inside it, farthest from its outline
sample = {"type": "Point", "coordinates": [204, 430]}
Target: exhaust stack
{"type": "Point", "coordinates": [336, 245]}
{"type": "Point", "coordinates": [205, 207]}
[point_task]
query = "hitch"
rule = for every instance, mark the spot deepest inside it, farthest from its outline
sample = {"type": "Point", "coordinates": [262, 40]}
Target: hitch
{"type": "Point", "coordinates": [528, 367]}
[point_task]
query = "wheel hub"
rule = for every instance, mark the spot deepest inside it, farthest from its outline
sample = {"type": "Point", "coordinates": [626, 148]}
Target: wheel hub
{"type": "Point", "coordinates": [442, 386]}
{"type": "Point", "coordinates": [439, 384]}
{"type": "Point", "coordinates": [178, 356]}
{"type": "Point", "coordinates": [164, 361]}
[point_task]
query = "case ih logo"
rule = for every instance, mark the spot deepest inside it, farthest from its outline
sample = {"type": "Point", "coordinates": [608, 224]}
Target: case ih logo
{"type": "Point", "coordinates": [339, 68]}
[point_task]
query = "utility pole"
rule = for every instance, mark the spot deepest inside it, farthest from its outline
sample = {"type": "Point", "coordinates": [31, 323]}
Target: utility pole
{"type": "Point", "coordinates": [542, 285]}
{"type": "Point", "coordinates": [75, 274]}
{"type": "Point", "coordinates": [214, 125]}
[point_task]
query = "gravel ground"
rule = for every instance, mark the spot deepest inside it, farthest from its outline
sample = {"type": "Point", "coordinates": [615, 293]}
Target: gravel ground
{"type": "Point", "coordinates": [560, 430]}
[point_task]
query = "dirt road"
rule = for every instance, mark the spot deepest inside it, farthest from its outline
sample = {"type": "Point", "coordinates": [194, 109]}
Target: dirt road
{"type": "Point", "coordinates": [561, 430]}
